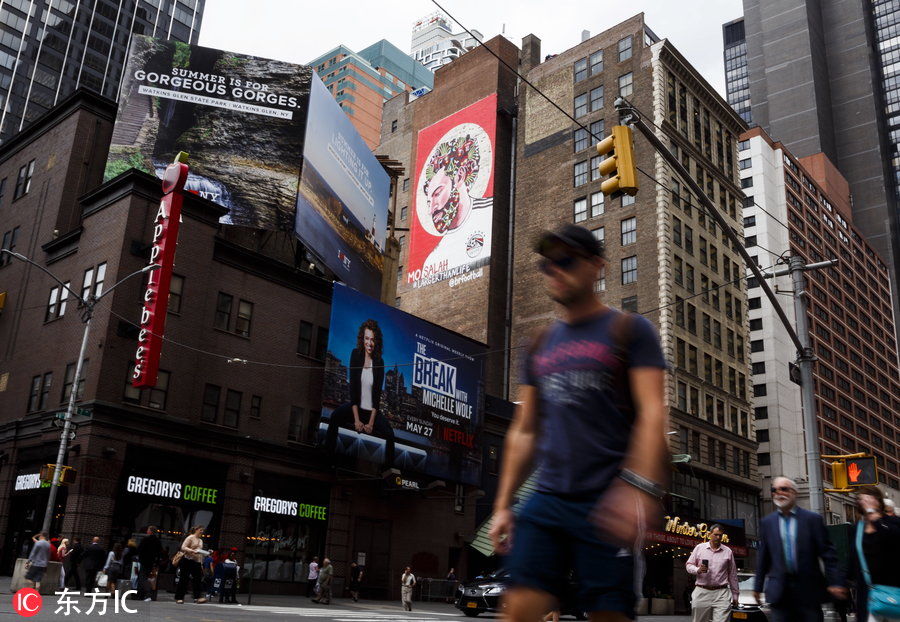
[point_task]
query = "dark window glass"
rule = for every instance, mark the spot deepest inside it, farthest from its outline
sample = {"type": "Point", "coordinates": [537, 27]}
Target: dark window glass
{"type": "Point", "coordinates": [160, 392]}
{"type": "Point", "coordinates": [223, 311]}
{"type": "Point", "coordinates": [255, 406]}
{"type": "Point", "coordinates": [244, 317]}
{"type": "Point", "coordinates": [232, 411]}
{"type": "Point", "coordinates": [304, 342]}
{"type": "Point", "coordinates": [321, 342]}
{"type": "Point", "coordinates": [210, 410]}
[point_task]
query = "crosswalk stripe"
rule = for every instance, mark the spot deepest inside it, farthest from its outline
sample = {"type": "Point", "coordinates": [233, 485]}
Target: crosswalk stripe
{"type": "Point", "coordinates": [343, 615]}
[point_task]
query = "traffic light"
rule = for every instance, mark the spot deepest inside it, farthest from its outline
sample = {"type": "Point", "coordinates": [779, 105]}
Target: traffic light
{"type": "Point", "coordinates": [862, 471]}
{"type": "Point", "coordinates": [620, 164]}
{"type": "Point", "coordinates": [839, 474]}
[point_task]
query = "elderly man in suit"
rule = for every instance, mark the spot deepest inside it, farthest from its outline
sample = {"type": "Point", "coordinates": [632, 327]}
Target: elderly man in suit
{"type": "Point", "coordinates": [792, 543]}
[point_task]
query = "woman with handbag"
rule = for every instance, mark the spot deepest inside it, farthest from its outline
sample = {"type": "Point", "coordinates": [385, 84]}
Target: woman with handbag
{"type": "Point", "coordinates": [114, 567]}
{"type": "Point", "coordinates": [189, 560]}
{"type": "Point", "coordinates": [876, 546]}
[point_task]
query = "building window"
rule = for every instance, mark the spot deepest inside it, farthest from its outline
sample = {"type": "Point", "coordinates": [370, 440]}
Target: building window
{"type": "Point", "coordinates": [747, 182]}
{"type": "Point", "coordinates": [625, 48]}
{"type": "Point", "coordinates": [93, 281]}
{"type": "Point", "coordinates": [23, 180]}
{"type": "Point", "coordinates": [629, 305]}
{"type": "Point", "coordinates": [393, 126]}
{"type": "Point", "coordinates": [223, 311]}
{"type": "Point", "coordinates": [689, 239]}
{"type": "Point", "coordinates": [676, 231]}
{"type": "Point", "coordinates": [600, 285]}
{"type": "Point", "coordinates": [493, 460]}
{"type": "Point", "coordinates": [757, 345]}
{"type": "Point", "coordinates": [210, 409]}
{"type": "Point", "coordinates": [596, 62]}
{"type": "Point", "coordinates": [232, 412]}
{"type": "Point", "coordinates": [597, 207]}
{"type": "Point", "coordinates": [759, 390]}
{"type": "Point", "coordinates": [627, 200]}
{"type": "Point", "coordinates": [744, 164]}
{"type": "Point", "coordinates": [581, 173]}
{"type": "Point", "coordinates": [295, 426]}
{"type": "Point", "coordinates": [626, 84]}
{"type": "Point", "coordinates": [596, 98]}
{"type": "Point", "coordinates": [629, 270]}
{"type": "Point", "coordinates": [581, 105]}
{"type": "Point", "coordinates": [9, 243]}
{"type": "Point", "coordinates": [759, 367]}
{"type": "Point", "coordinates": [69, 380]}
{"type": "Point", "coordinates": [176, 290]}
{"type": "Point", "coordinates": [582, 139]}
{"type": "Point", "coordinates": [405, 185]}
{"type": "Point", "coordinates": [321, 343]}
{"type": "Point", "coordinates": [244, 316]}
{"type": "Point", "coordinates": [581, 69]}
{"type": "Point", "coordinates": [56, 303]}
{"type": "Point", "coordinates": [34, 397]}
{"type": "Point", "coordinates": [595, 168]}
{"type": "Point", "coordinates": [304, 342]}
{"type": "Point", "coordinates": [765, 459]}
{"type": "Point", "coordinates": [160, 392]}
{"type": "Point", "coordinates": [132, 394]}
{"type": "Point", "coordinates": [629, 231]}
{"type": "Point", "coordinates": [255, 406]}
{"type": "Point", "coordinates": [403, 213]}
{"type": "Point", "coordinates": [580, 209]}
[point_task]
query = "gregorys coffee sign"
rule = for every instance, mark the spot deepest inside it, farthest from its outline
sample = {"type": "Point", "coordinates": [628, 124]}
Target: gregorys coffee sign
{"type": "Point", "coordinates": [171, 490]}
{"type": "Point", "coordinates": [285, 507]}
{"type": "Point", "coordinates": [675, 524]}
{"type": "Point", "coordinates": [30, 481]}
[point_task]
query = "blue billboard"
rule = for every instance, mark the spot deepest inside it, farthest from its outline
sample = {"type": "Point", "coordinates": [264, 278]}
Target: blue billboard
{"type": "Point", "coordinates": [342, 199]}
{"type": "Point", "coordinates": [400, 391]}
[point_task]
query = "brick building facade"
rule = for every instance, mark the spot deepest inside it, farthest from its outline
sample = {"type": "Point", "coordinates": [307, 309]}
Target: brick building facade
{"type": "Point", "coordinates": [220, 434]}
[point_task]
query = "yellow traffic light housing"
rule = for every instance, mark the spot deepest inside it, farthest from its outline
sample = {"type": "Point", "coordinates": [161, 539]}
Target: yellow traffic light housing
{"type": "Point", "coordinates": [620, 164]}
{"type": "Point", "coordinates": [839, 474]}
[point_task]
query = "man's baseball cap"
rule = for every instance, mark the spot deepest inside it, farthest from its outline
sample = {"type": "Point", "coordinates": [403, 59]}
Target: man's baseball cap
{"type": "Point", "coordinates": [572, 236]}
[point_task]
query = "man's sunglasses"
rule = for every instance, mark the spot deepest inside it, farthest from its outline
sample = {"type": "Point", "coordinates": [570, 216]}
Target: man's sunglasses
{"type": "Point", "coordinates": [782, 489]}
{"type": "Point", "coordinates": [563, 262]}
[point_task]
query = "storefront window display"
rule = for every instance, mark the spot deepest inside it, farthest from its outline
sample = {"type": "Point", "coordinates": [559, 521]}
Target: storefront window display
{"type": "Point", "coordinates": [290, 517]}
{"type": "Point", "coordinates": [171, 492]}
{"type": "Point", "coordinates": [28, 502]}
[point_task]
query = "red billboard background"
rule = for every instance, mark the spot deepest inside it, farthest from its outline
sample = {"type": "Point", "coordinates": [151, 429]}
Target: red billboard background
{"type": "Point", "coordinates": [450, 228]}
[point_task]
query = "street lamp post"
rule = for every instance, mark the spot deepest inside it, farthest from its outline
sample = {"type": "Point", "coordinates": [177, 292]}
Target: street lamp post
{"type": "Point", "coordinates": [89, 303]}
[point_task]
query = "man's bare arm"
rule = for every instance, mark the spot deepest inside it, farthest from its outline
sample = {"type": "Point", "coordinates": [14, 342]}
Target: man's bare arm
{"type": "Point", "coordinates": [518, 448]}
{"type": "Point", "coordinates": [648, 449]}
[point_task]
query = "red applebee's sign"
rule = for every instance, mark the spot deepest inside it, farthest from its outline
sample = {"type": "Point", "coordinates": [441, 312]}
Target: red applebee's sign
{"type": "Point", "coordinates": [156, 296]}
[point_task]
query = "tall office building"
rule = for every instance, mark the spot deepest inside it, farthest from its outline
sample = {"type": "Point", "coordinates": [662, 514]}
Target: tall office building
{"type": "Point", "coordinates": [803, 205]}
{"type": "Point", "coordinates": [737, 75]}
{"type": "Point", "coordinates": [665, 257]}
{"type": "Point", "coordinates": [50, 48]}
{"type": "Point", "coordinates": [823, 78]}
{"type": "Point", "coordinates": [362, 81]}
{"type": "Point", "coordinates": [434, 43]}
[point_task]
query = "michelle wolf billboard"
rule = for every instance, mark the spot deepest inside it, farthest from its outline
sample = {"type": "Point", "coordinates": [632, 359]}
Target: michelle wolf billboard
{"type": "Point", "coordinates": [400, 391]}
{"type": "Point", "coordinates": [342, 202]}
{"type": "Point", "coordinates": [454, 197]}
{"type": "Point", "coordinates": [241, 118]}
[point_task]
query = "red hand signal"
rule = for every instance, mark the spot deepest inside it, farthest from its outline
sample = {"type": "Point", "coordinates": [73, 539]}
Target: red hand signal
{"type": "Point", "coordinates": [853, 471]}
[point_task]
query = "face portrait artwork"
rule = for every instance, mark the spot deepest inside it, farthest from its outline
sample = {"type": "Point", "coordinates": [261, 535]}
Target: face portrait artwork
{"type": "Point", "coordinates": [454, 190]}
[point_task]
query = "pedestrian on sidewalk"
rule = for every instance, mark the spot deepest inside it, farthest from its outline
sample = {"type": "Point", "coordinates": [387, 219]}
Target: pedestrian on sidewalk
{"type": "Point", "coordinates": [38, 560]}
{"type": "Point", "coordinates": [93, 561]}
{"type": "Point", "coordinates": [73, 574]}
{"type": "Point", "coordinates": [189, 568]}
{"type": "Point", "coordinates": [312, 579]}
{"type": "Point", "coordinates": [716, 588]}
{"type": "Point", "coordinates": [875, 548]}
{"type": "Point", "coordinates": [62, 554]}
{"type": "Point", "coordinates": [592, 412]}
{"type": "Point", "coordinates": [114, 568]}
{"type": "Point", "coordinates": [149, 551]}
{"type": "Point", "coordinates": [793, 542]}
{"type": "Point", "coordinates": [326, 574]}
{"type": "Point", "coordinates": [407, 583]}
{"type": "Point", "coordinates": [356, 575]}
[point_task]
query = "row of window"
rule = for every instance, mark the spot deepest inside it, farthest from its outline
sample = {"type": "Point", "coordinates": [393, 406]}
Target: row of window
{"type": "Point", "coordinates": [717, 452]}
{"type": "Point", "coordinates": [41, 386]}
{"type": "Point", "coordinates": [91, 285]}
{"type": "Point", "coordinates": [592, 101]}
{"type": "Point", "coordinates": [687, 358]}
{"type": "Point", "coordinates": [593, 65]}
{"type": "Point", "coordinates": [701, 128]}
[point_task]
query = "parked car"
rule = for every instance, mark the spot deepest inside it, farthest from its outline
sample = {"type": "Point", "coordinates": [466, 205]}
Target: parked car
{"type": "Point", "coordinates": [484, 594]}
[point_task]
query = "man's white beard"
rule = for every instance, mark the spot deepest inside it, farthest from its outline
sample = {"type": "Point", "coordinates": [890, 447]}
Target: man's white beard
{"type": "Point", "coordinates": [780, 502]}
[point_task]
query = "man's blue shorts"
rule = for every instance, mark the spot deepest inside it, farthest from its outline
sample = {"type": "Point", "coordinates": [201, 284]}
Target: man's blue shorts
{"type": "Point", "coordinates": [554, 535]}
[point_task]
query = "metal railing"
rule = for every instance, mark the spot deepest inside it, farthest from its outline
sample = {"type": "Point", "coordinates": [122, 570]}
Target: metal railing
{"type": "Point", "coordinates": [435, 590]}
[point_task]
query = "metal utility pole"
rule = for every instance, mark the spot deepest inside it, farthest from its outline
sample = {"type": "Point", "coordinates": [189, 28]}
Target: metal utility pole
{"type": "Point", "coordinates": [805, 357]}
{"type": "Point", "coordinates": [629, 116]}
{"type": "Point", "coordinates": [86, 317]}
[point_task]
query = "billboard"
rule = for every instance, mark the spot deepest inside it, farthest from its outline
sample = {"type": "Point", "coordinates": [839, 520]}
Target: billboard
{"type": "Point", "coordinates": [241, 118]}
{"type": "Point", "coordinates": [400, 391]}
{"type": "Point", "coordinates": [450, 236]}
{"type": "Point", "coordinates": [342, 200]}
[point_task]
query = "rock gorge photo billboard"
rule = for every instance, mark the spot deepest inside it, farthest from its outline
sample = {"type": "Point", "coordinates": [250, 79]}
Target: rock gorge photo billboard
{"type": "Point", "coordinates": [240, 118]}
{"type": "Point", "coordinates": [450, 236]}
{"type": "Point", "coordinates": [342, 200]}
{"type": "Point", "coordinates": [422, 382]}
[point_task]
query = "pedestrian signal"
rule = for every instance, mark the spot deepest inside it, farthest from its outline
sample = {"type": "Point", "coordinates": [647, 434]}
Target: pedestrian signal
{"type": "Point", "coordinates": [862, 471]}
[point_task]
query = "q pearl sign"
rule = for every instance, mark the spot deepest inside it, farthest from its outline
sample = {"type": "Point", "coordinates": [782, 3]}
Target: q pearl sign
{"type": "Point", "coordinates": [156, 296]}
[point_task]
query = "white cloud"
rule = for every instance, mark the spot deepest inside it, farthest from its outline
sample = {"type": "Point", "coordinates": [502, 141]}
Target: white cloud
{"type": "Point", "coordinates": [301, 30]}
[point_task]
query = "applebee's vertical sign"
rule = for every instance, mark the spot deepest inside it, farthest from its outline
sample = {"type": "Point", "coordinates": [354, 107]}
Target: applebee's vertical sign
{"type": "Point", "coordinates": [162, 253]}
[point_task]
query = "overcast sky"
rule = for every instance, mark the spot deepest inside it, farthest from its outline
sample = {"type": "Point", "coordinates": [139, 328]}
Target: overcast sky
{"type": "Point", "coordinates": [301, 30]}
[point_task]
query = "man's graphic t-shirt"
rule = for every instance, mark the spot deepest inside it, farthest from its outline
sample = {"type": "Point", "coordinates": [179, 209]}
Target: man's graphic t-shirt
{"type": "Point", "coordinates": [584, 432]}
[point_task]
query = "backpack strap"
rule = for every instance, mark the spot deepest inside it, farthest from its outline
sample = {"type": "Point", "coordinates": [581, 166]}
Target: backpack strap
{"type": "Point", "coordinates": [622, 334]}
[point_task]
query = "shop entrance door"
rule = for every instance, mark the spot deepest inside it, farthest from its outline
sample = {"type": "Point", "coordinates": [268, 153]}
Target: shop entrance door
{"type": "Point", "coordinates": [372, 539]}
